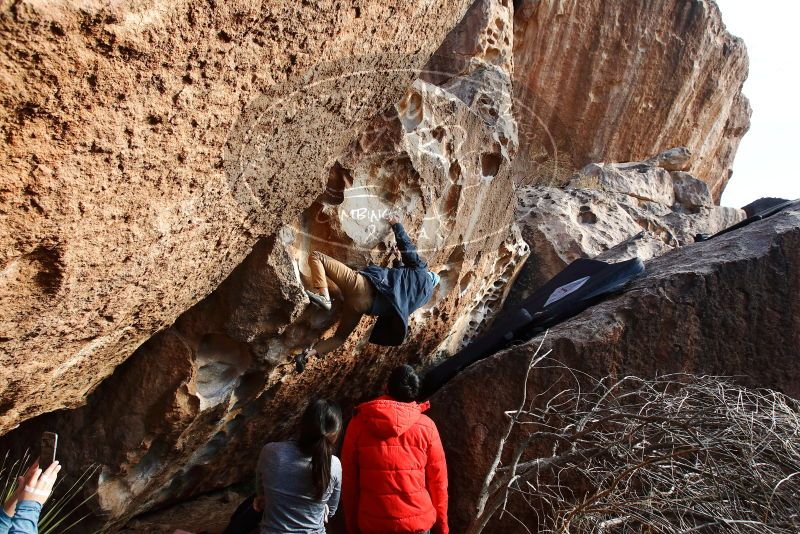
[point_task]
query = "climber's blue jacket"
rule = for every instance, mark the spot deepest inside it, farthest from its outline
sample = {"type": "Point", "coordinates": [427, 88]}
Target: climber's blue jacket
{"type": "Point", "coordinates": [400, 290]}
{"type": "Point", "coordinates": [25, 520]}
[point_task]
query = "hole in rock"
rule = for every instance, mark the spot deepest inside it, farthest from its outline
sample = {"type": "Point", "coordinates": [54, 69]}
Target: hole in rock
{"type": "Point", "coordinates": [587, 217]}
{"type": "Point", "coordinates": [34, 275]}
{"type": "Point", "coordinates": [338, 180]}
{"type": "Point", "coordinates": [466, 281]}
{"type": "Point", "coordinates": [492, 54]}
{"type": "Point", "coordinates": [451, 200]}
{"type": "Point", "coordinates": [410, 111]}
{"type": "Point", "coordinates": [250, 385]}
{"type": "Point", "coordinates": [454, 172]}
{"type": "Point", "coordinates": [47, 262]}
{"type": "Point", "coordinates": [490, 164]}
{"type": "Point", "coordinates": [220, 362]}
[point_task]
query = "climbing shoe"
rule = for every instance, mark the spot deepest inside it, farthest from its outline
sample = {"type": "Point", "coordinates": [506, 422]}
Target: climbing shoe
{"type": "Point", "coordinates": [300, 361]}
{"type": "Point", "coordinates": [319, 300]}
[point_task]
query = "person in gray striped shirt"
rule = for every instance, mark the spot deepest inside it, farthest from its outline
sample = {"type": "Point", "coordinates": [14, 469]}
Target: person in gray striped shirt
{"type": "Point", "coordinates": [298, 482]}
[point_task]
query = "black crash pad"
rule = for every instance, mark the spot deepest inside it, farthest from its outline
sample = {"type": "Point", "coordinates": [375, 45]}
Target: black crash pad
{"type": "Point", "coordinates": [581, 284]}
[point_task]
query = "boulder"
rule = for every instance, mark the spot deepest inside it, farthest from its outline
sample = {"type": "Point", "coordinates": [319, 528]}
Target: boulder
{"type": "Point", "coordinates": [637, 179]}
{"type": "Point", "coordinates": [611, 211]}
{"type": "Point", "coordinates": [645, 244]}
{"type": "Point", "coordinates": [726, 306]}
{"type": "Point", "coordinates": [673, 159]}
{"type": "Point", "coordinates": [150, 145]}
{"type": "Point", "coordinates": [691, 194]}
{"type": "Point", "coordinates": [598, 81]}
{"type": "Point", "coordinates": [188, 412]}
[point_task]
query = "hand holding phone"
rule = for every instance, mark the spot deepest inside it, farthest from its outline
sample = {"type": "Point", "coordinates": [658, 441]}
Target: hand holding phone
{"type": "Point", "coordinates": [38, 486]}
{"type": "Point", "coordinates": [48, 450]}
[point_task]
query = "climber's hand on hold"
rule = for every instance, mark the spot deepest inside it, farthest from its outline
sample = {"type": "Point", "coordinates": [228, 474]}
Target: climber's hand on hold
{"type": "Point", "coordinates": [392, 218]}
{"type": "Point", "coordinates": [258, 503]}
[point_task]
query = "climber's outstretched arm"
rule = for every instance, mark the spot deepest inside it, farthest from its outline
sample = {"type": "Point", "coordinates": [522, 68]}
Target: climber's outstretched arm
{"type": "Point", "coordinates": [407, 249]}
{"type": "Point", "coordinates": [348, 323]}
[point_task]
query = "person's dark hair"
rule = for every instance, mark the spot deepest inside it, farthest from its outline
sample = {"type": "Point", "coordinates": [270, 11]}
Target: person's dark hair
{"type": "Point", "coordinates": [319, 430]}
{"type": "Point", "coordinates": [403, 384]}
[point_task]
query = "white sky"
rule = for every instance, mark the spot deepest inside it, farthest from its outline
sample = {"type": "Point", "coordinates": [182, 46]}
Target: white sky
{"type": "Point", "coordinates": [766, 162]}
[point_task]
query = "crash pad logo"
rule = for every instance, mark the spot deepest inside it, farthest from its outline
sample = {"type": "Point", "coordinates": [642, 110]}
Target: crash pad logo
{"type": "Point", "coordinates": [566, 289]}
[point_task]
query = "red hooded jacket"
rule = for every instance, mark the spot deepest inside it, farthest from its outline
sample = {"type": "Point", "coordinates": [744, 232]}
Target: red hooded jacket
{"type": "Point", "coordinates": [394, 473]}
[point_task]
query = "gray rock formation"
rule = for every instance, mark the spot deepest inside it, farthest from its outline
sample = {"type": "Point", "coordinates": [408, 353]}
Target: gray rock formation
{"type": "Point", "coordinates": [727, 306]}
{"type": "Point", "coordinates": [613, 211]}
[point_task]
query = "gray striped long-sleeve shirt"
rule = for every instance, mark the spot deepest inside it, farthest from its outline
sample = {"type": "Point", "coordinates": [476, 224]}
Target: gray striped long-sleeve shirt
{"type": "Point", "coordinates": [284, 478]}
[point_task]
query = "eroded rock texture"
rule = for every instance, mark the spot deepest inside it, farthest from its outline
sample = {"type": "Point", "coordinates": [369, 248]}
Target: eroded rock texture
{"type": "Point", "coordinates": [483, 37]}
{"type": "Point", "coordinates": [613, 212]}
{"type": "Point", "coordinates": [167, 168]}
{"type": "Point", "coordinates": [149, 145]}
{"type": "Point", "coordinates": [189, 411]}
{"type": "Point", "coordinates": [727, 306]}
{"type": "Point", "coordinates": [619, 81]}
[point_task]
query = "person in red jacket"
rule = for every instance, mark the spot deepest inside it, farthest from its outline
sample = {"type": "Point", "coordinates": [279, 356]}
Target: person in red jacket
{"type": "Point", "coordinates": [394, 475]}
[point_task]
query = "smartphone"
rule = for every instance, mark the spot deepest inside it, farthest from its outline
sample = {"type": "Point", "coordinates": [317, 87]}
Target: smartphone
{"type": "Point", "coordinates": [48, 454]}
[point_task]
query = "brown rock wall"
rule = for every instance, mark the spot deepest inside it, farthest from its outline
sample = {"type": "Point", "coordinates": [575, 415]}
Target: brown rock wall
{"type": "Point", "coordinates": [619, 81]}
{"type": "Point", "coordinates": [147, 146]}
{"type": "Point", "coordinates": [189, 411]}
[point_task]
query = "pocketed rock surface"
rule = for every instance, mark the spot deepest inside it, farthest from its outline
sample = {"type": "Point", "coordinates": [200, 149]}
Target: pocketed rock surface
{"type": "Point", "coordinates": [147, 146]}
{"type": "Point", "coordinates": [168, 167]}
{"type": "Point", "coordinates": [613, 212]}
{"type": "Point", "coordinates": [725, 307]}
{"type": "Point", "coordinates": [188, 412]}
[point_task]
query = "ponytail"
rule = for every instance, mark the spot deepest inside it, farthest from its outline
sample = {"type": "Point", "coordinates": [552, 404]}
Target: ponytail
{"type": "Point", "coordinates": [321, 466]}
{"type": "Point", "coordinates": [319, 430]}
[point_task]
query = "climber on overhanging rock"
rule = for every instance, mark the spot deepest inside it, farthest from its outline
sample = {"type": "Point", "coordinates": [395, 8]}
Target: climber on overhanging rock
{"type": "Point", "coordinates": [391, 294]}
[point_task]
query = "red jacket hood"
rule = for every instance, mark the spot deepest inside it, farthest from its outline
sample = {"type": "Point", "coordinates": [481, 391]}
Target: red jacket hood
{"type": "Point", "coordinates": [386, 418]}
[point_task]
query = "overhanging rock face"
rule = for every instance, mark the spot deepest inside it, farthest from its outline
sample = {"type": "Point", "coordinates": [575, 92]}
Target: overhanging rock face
{"type": "Point", "coordinates": [727, 306]}
{"type": "Point", "coordinates": [149, 145]}
{"type": "Point", "coordinates": [168, 167]}
{"type": "Point", "coordinates": [190, 409]}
